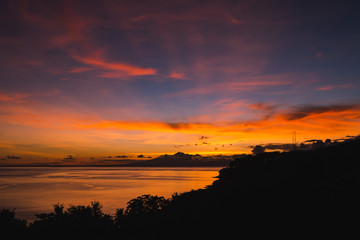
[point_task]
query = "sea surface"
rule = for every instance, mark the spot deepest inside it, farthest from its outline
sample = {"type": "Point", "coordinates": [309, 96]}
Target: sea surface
{"type": "Point", "coordinates": [30, 190]}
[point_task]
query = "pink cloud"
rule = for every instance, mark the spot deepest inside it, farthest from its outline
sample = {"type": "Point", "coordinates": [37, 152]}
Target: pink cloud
{"type": "Point", "coordinates": [325, 88]}
{"type": "Point", "coordinates": [116, 69]}
{"type": "Point", "coordinates": [319, 55]}
{"type": "Point", "coordinates": [235, 20]}
{"type": "Point", "coordinates": [72, 34]}
{"type": "Point", "coordinates": [231, 86]}
{"type": "Point", "coordinates": [13, 97]}
{"type": "Point", "coordinates": [263, 106]}
{"type": "Point", "coordinates": [333, 87]}
{"type": "Point", "coordinates": [20, 97]}
{"type": "Point", "coordinates": [80, 69]}
{"type": "Point", "coordinates": [177, 75]}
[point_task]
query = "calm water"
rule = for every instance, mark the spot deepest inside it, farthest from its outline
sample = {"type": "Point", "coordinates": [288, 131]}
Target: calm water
{"type": "Point", "coordinates": [33, 190]}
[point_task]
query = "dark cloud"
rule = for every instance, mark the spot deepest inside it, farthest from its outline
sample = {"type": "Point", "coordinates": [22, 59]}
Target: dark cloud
{"type": "Point", "coordinates": [203, 138]}
{"type": "Point", "coordinates": [117, 161]}
{"type": "Point", "coordinates": [274, 146]}
{"type": "Point", "coordinates": [140, 156]}
{"type": "Point", "coordinates": [13, 157]}
{"type": "Point", "coordinates": [279, 146]}
{"type": "Point", "coordinates": [122, 156]}
{"type": "Point", "coordinates": [69, 157]}
{"type": "Point", "coordinates": [304, 111]}
{"type": "Point", "coordinates": [312, 140]}
{"type": "Point", "coordinates": [178, 125]}
{"type": "Point", "coordinates": [263, 106]}
{"type": "Point", "coordinates": [258, 149]}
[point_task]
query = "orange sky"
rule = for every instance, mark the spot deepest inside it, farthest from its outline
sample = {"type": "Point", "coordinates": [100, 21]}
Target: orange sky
{"type": "Point", "coordinates": [52, 134]}
{"type": "Point", "coordinates": [115, 78]}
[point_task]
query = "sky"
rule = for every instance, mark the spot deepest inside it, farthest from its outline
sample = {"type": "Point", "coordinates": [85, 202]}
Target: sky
{"type": "Point", "coordinates": [96, 79]}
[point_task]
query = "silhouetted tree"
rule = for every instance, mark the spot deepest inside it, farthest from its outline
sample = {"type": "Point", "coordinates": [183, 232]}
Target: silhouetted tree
{"type": "Point", "coordinates": [145, 205]}
{"type": "Point", "coordinates": [77, 221]}
{"type": "Point", "coordinates": [11, 227]}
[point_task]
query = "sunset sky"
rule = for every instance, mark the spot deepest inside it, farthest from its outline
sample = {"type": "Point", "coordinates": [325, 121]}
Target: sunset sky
{"type": "Point", "coordinates": [94, 79]}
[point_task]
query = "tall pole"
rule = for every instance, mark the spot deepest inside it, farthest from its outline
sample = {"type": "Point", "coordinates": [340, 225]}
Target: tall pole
{"type": "Point", "coordinates": [294, 139]}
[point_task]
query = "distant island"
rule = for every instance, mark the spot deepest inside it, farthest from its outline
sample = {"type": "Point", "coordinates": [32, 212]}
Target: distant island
{"type": "Point", "coordinates": [181, 159]}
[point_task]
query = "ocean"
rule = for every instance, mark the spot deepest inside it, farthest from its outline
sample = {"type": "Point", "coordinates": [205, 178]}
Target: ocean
{"type": "Point", "coordinates": [32, 190]}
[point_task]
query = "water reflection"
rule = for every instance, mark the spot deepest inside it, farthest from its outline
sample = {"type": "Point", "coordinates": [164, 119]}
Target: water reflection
{"type": "Point", "coordinates": [34, 190]}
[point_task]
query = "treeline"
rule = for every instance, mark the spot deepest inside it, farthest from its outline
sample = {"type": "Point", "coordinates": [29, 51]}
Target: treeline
{"type": "Point", "coordinates": [290, 194]}
{"type": "Point", "coordinates": [84, 222]}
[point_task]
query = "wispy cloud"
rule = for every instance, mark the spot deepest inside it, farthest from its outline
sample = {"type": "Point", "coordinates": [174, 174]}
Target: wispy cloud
{"type": "Point", "coordinates": [241, 85]}
{"type": "Point", "coordinates": [81, 69]}
{"type": "Point", "coordinates": [334, 87]}
{"type": "Point", "coordinates": [306, 119]}
{"type": "Point", "coordinates": [116, 69]}
{"type": "Point", "coordinates": [311, 110]}
{"type": "Point", "coordinates": [73, 35]}
{"type": "Point", "coordinates": [177, 75]}
{"type": "Point", "coordinates": [19, 97]}
{"type": "Point", "coordinates": [10, 97]}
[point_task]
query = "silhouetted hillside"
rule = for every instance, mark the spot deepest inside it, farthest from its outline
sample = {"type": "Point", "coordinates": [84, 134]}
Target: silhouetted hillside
{"type": "Point", "coordinates": [185, 160]}
{"type": "Point", "coordinates": [298, 194]}
{"type": "Point", "coordinates": [298, 191]}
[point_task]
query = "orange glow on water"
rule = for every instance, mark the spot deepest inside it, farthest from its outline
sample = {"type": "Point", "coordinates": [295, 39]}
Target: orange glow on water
{"type": "Point", "coordinates": [35, 190]}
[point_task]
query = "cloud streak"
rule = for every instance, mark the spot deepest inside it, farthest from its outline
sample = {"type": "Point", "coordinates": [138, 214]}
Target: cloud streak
{"type": "Point", "coordinates": [306, 119]}
{"type": "Point", "coordinates": [117, 70]}
{"type": "Point", "coordinates": [315, 110]}
{"type": "Point", "coordinates": [229, 87]}
{"type": "Point", "coordinates": [19, 97]}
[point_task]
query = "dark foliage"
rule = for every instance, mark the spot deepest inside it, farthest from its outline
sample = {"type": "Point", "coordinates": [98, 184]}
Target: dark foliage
{"type": "Point", "coordinates": [10, 227]}
{"type": "Point", "coordinates": [283, 195]}
{"type": "Point", "coordinates": [76, 221]}
{"type": "Point", "coordinates": [287, 194]}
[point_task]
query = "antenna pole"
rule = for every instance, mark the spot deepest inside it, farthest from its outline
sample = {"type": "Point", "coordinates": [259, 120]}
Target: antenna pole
{"type": "Point", "coordinates": [294, 139]}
